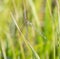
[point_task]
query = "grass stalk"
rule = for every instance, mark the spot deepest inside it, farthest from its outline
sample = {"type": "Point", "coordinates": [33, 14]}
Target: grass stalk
{"type": "Point", "coordinates": [3, 49]}
{"type": "Point", "coordinates": [26, 42]}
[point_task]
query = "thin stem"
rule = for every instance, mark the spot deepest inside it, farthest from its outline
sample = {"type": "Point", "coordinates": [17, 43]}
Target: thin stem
{"type": "Point", "coordinates": [53, 30]}
{"type": "Point", "coordinates": [26, 42]}
{"type": "Point", "coordinates": [34, 12]}
{"type": "Point", "coordinates": [3, 49]}
{"type": "Point", "coordinates": [58, 28]}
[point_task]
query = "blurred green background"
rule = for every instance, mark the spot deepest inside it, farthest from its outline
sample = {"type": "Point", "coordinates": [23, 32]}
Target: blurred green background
{"type": "Point", "coordinates": [29, 29]}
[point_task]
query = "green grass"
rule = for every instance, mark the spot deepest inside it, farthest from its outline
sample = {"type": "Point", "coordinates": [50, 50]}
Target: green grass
{"type": "Point", "coordinates": [29, 29]}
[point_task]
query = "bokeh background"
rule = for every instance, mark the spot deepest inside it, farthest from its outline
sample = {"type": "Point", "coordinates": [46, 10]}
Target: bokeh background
{"type": "Point", "coordinates": [29, 29]}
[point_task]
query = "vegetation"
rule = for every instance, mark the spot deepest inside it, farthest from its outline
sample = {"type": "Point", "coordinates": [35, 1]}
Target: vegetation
{"type": "Point", "coordinates": [29, 29]}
